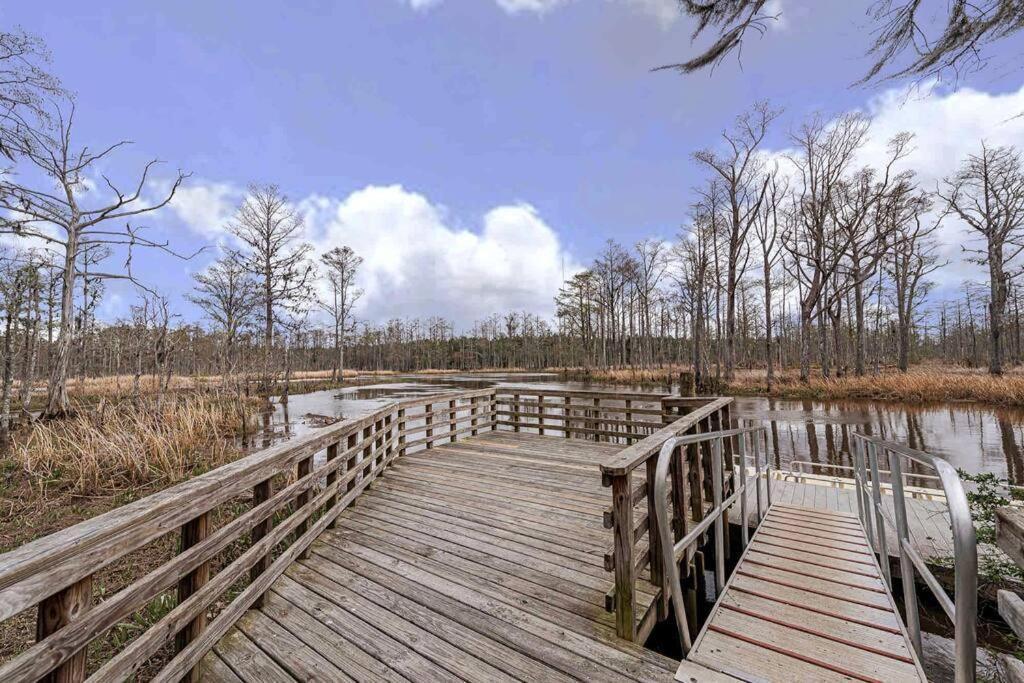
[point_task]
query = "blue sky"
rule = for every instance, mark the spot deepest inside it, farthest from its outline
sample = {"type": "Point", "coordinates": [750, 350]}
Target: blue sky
{"type": "Point", "coordinates": [470, 149]}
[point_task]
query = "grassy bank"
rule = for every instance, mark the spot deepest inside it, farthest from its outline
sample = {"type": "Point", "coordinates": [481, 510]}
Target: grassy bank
{"type": "Point", "coordinates": [920, 385]}
{"type": "Point", "coordinates": [60, 473]}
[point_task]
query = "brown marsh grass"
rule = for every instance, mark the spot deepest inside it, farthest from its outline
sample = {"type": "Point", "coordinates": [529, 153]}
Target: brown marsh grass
{"type": "Point", "coordinates": [129, 445]}
{"type": "Point", "coordinates": [930, 383]}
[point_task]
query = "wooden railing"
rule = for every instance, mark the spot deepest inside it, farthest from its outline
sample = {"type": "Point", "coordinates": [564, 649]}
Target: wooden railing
{"type": "Point", "coordinates": [615, 417]}
{"type": "Point", "coordinates": [238, 528]}
{"type": "Point", "coordinates": [633, 555]}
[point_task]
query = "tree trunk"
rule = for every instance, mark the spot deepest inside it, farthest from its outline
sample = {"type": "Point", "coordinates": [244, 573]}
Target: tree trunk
{"type": "Point", "coordinates": [57, 403]}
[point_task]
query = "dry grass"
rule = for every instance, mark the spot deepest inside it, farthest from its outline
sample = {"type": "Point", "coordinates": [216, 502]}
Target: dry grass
{"type": "Point", "coordinates": [129, 445]}
{"type": "Point", "coordinates": [923, 384]}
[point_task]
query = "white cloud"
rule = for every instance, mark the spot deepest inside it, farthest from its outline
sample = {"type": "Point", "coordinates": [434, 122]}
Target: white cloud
{"type": "Point", "coordinates": [423, 4]}
{"type": "Point", "coordinates": [665, 12]}
{"type": "Point", "coordinates": [947, 128]}
{"type": "Point", "coordinates": [416, 263]}
{"type": "Point", "coordinates": [206, 207]}
{"type": "Point", "coordinates": [534, 6]}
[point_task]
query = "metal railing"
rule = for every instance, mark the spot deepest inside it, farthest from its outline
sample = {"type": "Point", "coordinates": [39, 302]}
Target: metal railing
{"type": "Point", "coordinates": [962, 610]}
{"type": "Point", "coordinates": [672, 549]}
{"type": "Point", "coordinates": [797, 468]}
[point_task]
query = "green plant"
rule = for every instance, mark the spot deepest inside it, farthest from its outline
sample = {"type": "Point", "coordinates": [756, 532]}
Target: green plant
{"type": "Point", "coordinates": [988, 494]}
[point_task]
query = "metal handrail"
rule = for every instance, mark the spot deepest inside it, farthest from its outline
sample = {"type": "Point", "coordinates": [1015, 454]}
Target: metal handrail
{"type": "Point", "coordinates": [799, 464]}
{"type": "Point", "coordinates": [672, 549]}
{"type": "Point", "coordinates": [962, 610]}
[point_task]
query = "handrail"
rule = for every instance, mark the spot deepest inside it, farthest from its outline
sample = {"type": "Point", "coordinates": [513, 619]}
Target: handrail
{"type": "Point", "coordinates": [672, 549]}
{"type": "Point", "coordinates": [627, 557]}
{"type": "Point", "coordinates": [628, 459]}
{"type": "Point", "coordinates": [55, 573]}
{"type": "Point", "coordinates": [962, 610]}
{"type": "Point", "coordinates": [799, 464]}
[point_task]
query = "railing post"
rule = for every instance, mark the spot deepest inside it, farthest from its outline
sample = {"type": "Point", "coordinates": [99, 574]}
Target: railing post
{"type": "Point", "coordinates": [716, 491]}
{"type": "Point", "coordinates": [540, 414]}
{"type": "Point", "coordinates": [494, 410]}
{"type": "Point", "coordinates": [193, 532]}
{"type": "Point", "coordinates": [625, 597]}
{"type": "Point", "coordinates": [353, 458]}
{"type": "Point", "coordinates": [864, 499]}
{"type": "Point", "coordinates": [767, 471]}
{"type": "Point", "coordinates": [56, 612]}
{"type": "Point", "coordinates": [739, 475]}
{"type": "Point", "coordinates": [658, 571]}
{"type": "Point", "coordinates": [451, 420]}
{"type": "Point", "coordinates": [332, 455]}
{"type": "Point", "coordinates": [516, 409]}
{"type": "Point", "coordinates": [566, 416]}
{"type": "Point", "coordinates": [629, 418]}
{"type": "Point", "coordinates": [755, 442]}
{"type": "Point", "coordinates": [680, 504]}
{"type": "Point", "coordinates": [261, 493]}
{"type": "Point", "coordinates": [876, 496]}
{"type": "Point", "coordinates": [389, 437]}
{"type": "Point", "coordinates": [305, 466]}
{"type": "Point", "coordinates": [428, 420]}
{"type": "Point", "coordinates": [906, 565]}
{"type": "Point", "coordinates": [401, 432]}
{"type": "Point", "coordinates": [472, 412]}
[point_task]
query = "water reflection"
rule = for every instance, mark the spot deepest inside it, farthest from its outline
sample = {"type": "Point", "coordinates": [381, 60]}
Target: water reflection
{"type": "Point", "coordinates": [975, 438]}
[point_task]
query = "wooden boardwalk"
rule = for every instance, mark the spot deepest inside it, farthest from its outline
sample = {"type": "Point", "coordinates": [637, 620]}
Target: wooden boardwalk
{"type": "Point", "coordinates": [928, 520]}
{"type": "Point", "coordinates": [807, 603]}
{"type": "Point", "coordinates": [479, 561]}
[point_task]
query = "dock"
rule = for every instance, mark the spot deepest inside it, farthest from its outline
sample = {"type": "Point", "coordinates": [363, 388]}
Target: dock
{"type": "Point", "coordinates": [807, 602]}
{"type": "Point", "coordinates": [511, 534]}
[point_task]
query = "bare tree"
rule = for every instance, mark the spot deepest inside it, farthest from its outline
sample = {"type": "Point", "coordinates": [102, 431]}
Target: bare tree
{"type": "Point", "coordinates": [743, 188]}
{"type": "Point", "coordinates": [987, 193]}
{"type": "Point", "coordinates": [937, 44]}
{"type": "Point", "coordinates": [911, 259]}
{"type": "Point", "coordinates": [25, 87]}
{"type": "Point", "coordinates": [226, 293]}
{"type": "Point", "coordinates": [766, 230]}
{"type": "Point", "coordinates": [270, 230]}
{"type": "Point", "coordinates": [857, 211]}
{"type": "Point", "coordinates": [55, 211]}
{"type": "Point", "coordinates": [825, 153]}
{"type": "Point", "coordinates": [650, 269]}
{"type": "Point", "coordinates": [342, 265]}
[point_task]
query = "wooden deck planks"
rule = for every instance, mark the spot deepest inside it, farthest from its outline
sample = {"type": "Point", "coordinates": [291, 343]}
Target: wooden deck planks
{"type": "Point", "coordinates": [481, 560]}
{"type": "Point", "coordinates": [807, 604]}
{"type": "Point", "coordinates": [927, 520]}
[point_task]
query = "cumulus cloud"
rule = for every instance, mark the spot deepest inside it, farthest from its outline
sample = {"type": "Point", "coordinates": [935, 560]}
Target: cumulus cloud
{"type": "Point", "coordinates": [665, 12]}
{"type": "Point", "coordinates": [417, 263]}
{"type": "Point", "coordinates": [947, 127]}
{"type": "Point", "coordinates": [418, 260]}
{"type": "Point", "coordinates": [206, 207]}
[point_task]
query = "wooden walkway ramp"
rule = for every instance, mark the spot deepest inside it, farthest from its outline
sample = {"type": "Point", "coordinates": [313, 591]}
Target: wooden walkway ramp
{"type": "Point", "coordinates": [480, 560]}
{"type": "Point", "coordinates": [806, 603]}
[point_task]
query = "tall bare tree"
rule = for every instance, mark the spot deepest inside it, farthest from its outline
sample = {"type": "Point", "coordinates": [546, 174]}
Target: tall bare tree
{"type": "Point", "coordinates": [987, 193]}
{"type": "Point", "coordinates": [739, 172]}
{"type": "Point", "coordinates": [825, 154]}
{"type": "Point", "coordinates": [59, 210]}
{"type": "Point", "coordinates": [911, 259]}
{"type": "Point", "coordinates": [25, 88]}
{"type": "Point", "coordinates": [342, 265]}
{"type": "Point", "coordinates": [226, 293]}
{"type": "Point", "coordinates": [766, 231]}
{"type": "Point", "coordinates": [270, 229]}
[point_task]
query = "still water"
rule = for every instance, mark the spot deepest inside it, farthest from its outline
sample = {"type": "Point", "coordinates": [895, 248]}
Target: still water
{"type": "Point", "coordinates": [970, 436]}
